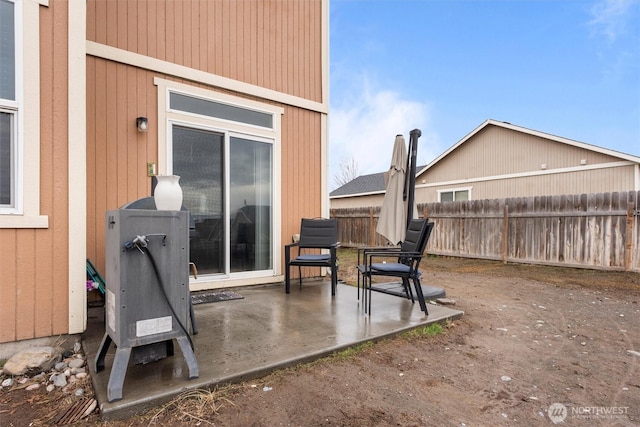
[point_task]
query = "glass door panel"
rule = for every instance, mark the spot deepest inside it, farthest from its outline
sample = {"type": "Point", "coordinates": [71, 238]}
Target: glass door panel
{"type": "Point", "coordinates": [198, 158]}
{"type": "Point", "coordinates": [251, 204]}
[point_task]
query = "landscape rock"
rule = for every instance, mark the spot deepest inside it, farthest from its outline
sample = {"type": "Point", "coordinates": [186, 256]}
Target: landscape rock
{"type": "Point", "coordinates": [76, 363]}
{"type": "Point", "coordinates": [58, 380]}
{"type": "Point", "coordinates": [76, 371]}
{"type": "Point", "coordinates": [32, 361]}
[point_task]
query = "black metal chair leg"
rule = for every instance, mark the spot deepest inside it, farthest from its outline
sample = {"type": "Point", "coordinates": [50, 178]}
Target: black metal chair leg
{"type": "Point", "coordinates": [423, 304]}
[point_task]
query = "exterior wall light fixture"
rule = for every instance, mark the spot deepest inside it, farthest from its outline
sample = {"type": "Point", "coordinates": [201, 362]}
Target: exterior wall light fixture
{"type": "Point", "coordinates": [142, 124]}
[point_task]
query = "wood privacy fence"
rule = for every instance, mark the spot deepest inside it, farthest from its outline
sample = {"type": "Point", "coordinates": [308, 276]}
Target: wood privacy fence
{"type": "Point", "coordinates": [599, 231]}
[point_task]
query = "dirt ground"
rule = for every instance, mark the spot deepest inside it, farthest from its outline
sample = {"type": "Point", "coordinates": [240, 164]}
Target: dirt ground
{"type": "Point", "coordinates": [536, 346]}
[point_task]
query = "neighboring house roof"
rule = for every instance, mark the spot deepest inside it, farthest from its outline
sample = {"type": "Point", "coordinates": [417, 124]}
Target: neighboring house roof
{"type": "Point", "coordinates": [364, 185]}
{"type": "Point", "coordinates": [507, 125]}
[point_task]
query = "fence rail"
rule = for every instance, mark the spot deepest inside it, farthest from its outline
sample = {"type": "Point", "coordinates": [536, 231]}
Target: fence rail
{"type": "Point", "coordinates": [599, 231]}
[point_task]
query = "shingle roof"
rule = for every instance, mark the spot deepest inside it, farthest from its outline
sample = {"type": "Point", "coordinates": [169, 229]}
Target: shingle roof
{"type": "Point", "coordinates": [372, 183]}
{"type": "Point", "coordinates": [364, 184]}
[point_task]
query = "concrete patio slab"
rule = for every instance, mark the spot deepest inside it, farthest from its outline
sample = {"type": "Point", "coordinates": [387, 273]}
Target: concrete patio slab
{"type": "Point", "coordinates": [247, 338]}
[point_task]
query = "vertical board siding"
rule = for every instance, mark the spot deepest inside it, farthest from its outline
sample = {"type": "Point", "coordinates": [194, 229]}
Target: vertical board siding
{"type": "Point", "coordinates": [34, 282]}
{"type": "Point", "coordinates": [301, 173]}
{"type": "Point", "coordinates": [586, 230]}
{"type": "Point", "coordinates": [270, 43]}
{"type": "Point", "coordinates": [117, 154]}
{"type": "Point", "coordinates": [8, 284]}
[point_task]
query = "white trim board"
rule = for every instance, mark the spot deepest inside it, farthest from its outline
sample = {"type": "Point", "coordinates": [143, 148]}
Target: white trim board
{"type": "Point", "coordinates": [77, 187]}
{"type": "Point", "coordinates": [141, 61]}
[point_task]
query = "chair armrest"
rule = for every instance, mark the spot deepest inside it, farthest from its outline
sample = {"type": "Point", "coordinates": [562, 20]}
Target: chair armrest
{"type": "Point", "coordinates": [379, 248]}
{"type": "Point", "coordinates": [287, 253]}
{"type": "Point", "coordinates": [395, 254]}
{"type": "Point", "coordinates": [364, 250]}
{"type": "Point", "coordinates": [381, 254]}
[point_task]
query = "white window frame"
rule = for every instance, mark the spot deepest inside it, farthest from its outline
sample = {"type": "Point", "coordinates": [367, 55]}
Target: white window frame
{"type": "Point", "coordinates": [25, 212]}
{"type": "Point", "coordinates": [454, 191]}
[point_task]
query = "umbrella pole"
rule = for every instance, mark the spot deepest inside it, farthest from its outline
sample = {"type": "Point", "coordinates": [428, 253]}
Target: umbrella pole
{"type": "Point", "coordinates": [410, 177]}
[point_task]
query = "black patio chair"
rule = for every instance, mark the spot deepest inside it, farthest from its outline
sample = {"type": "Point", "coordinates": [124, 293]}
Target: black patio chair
{"type": "Point", "coordinates": [315, 234]}
{"type": "Point", "coordinates": [405, 265]}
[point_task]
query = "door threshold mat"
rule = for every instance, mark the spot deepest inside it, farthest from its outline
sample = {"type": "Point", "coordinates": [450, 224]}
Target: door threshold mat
{"type": "Point", "coordinates": [396, 288]}
{"type": "Point", "coordinates": [206, 297]}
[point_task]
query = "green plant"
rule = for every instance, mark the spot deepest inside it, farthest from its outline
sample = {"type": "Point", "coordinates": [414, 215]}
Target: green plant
{"type": "Point", "coordinates": [430, 330]}
{"type": "Point", "coordinates": [353, 350]}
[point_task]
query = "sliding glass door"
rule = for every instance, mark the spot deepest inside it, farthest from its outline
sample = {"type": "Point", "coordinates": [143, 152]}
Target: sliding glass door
{"type": "Point", "coordinates": [227, 182]}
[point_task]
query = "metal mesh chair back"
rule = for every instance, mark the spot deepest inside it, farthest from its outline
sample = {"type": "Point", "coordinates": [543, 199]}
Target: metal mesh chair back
{"type": "Point", "coordinates": [318, 233]}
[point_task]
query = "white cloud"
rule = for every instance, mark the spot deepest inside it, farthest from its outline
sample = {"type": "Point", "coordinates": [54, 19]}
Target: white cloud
{"type": "Point", "coordinates": [363, 125]}
{"type": "Point", "coordinates": [609, 17]}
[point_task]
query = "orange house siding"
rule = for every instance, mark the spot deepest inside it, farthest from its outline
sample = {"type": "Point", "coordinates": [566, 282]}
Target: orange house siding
{"type": "Point", "coordinates": [274, 44]}
{"type": "Point", "coordinates": [117, 154]}
{"type": "Point", "coordinates": [34, 280]}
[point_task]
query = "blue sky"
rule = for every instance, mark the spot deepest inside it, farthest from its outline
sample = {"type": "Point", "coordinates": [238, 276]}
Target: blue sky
{"type": "Point", "coordinates": [570, 68]}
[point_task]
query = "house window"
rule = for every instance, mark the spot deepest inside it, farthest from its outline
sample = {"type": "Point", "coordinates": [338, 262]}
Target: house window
{"type": "Point", "coordinates": [20, 144]}
{"type": "Point", "coordinates": [7, 150]}
{"type": "Point", "coordinates": [205, 107]}
{"type": "Point", "coordinates": [225, 150]}
{"type": "Point", "coordinates": [454, 195]}
{"type": "Point", "coordinates": [8, 105]}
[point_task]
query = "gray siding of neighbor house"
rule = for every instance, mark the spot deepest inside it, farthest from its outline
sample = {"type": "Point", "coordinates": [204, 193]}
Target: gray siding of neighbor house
{"type": "Point", "coordinates": [357, 201]}
{"type": "Point", "coordinates": [498, 162]}
{"type": "Point", "coordinates": [552, 184]}
{"type": "Point", "coordinates": [498, 151]}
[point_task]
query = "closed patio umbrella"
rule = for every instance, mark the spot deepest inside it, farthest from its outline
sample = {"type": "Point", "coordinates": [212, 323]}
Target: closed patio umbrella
{"type": "Point", "coordinates": [392, 223]}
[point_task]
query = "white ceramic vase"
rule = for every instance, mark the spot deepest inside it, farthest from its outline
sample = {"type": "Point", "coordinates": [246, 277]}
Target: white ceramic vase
{"type": "Point", "coordinates": [168, 194]}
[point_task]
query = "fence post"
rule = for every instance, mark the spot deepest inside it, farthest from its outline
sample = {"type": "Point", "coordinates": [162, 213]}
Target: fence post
{"type": "Point", "coordinates": [371, 234]}
{"type": "Point", "coordinates": [628, 238]}
{"type": "Point", "coordinates": [505, 233]}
